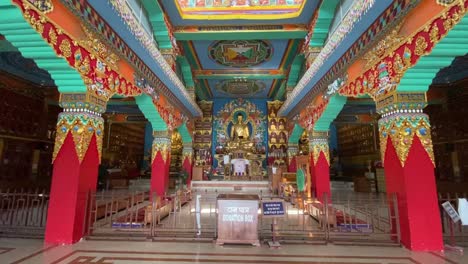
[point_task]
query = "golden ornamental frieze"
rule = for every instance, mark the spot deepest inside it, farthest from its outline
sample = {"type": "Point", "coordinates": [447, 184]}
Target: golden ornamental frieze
{"type": "Point", "coordinates": [90, 62]}
{"type": "Point", "coordinates": [318, 143]}
{"type": "Point", "coordinates": [82, 127]}
{"type": "Point", "coordinates": [100, 50]}
{"type": "Point", "coordinates": [402, 129]}
{"type": "Point", "coordinates": [394, 55]}
{"type": "Point", "coordinates": [160, 146]}
{"type": "Point", "coordinates": [320, 147]}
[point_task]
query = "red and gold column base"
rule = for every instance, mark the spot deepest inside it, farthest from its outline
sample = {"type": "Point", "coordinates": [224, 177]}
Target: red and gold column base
{"type": "Point", "coordinates": [292, 153]}
{"type": "Point", "coordinates": [160, 162]}
{"type": "Point", "coordinates": [409, 173]}
{"type": "Point", "coordinates": [187, 161]}
{"type": "Point", "coordinates": [76, 159]}
{"type": "Point", "coordinates": [82, 127]}
{"type": "Point", "coordinates": [320, 165]}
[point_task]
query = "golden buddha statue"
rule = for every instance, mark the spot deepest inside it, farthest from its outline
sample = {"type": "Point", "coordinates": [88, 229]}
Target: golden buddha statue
{"type": "Point", "coordinates": [240, 136]}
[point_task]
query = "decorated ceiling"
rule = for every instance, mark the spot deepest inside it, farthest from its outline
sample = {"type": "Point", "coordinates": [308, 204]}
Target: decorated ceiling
{"type": "Point", "coordinates": [239, 9]}
{"type": "Point", "coordinates": [239, 12]}
{"type": "Point", "coordinates": [239, 48]}
{"type": "Point", "coordinates": [249, 68]}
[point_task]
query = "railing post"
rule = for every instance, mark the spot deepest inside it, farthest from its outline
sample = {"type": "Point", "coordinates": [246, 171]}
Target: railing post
{"type": "Point", "coordinates": [397, 217]}
{"type": "Point", "coordinates": [327, 222]}
{"type": "Point", "coordinates": [153, 213]}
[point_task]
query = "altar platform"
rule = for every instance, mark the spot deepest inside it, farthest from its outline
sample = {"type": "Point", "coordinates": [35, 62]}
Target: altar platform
{"type": "Point", "coordinates": [231, 186]}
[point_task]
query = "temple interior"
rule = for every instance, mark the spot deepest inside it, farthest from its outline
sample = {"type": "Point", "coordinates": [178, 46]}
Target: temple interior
{"type": "Point", "coordinates": [298, 125]}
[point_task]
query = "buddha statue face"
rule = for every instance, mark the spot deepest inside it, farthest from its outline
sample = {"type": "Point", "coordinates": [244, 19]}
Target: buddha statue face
{"type": "Point", "coordinates": [240, 118]}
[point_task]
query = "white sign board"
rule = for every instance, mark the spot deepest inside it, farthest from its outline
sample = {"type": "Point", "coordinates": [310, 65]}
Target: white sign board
{"type": "Point", "coordinates": [463, 210]}
{"type": "Point", "coordinates": [451, 211]}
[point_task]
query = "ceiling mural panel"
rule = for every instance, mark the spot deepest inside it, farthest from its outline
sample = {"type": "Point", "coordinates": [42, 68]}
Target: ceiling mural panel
{"type": "Point", "coordinates": [239, 9]}
{"type": "Point", "coordinates": [239, 12]}
{"type": "Point", "coordinates": [240, 53]}
{"type": "Point", "coordinates": [240, 88]}
{"type": "Point", "coordinates": [256, 62]}
{"type": "Point", "coordinates": [225, 55]}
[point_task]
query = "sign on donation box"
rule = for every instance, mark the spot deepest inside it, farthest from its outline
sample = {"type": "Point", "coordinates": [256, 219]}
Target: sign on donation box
{"type": "Point", "coordinates": [274, 208]}
{"type": "Point", "coordinates": [238, 219]}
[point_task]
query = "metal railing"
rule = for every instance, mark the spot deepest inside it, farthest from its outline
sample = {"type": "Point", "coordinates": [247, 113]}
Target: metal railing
{"type": "Point", "coordinates": [111, 211]}
{"type": "Point", "coordinates": [23, 213]}
{"type": "Point", "coordinates": [455, 234]}
{"type": "Point", "coordinates": [143, 215]}
{"type": "Point", "coordinates": [368, 220]}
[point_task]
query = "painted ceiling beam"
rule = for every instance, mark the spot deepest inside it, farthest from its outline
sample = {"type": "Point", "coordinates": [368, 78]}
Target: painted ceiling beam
{"type": "Point", "coordinates": [156, 18]}
{"type": "Point", "coordinates": [361, 16]}
{"type": "Point", "coordinates": [201, 91]}
{"type": "Point", "coordinates": [295, 134]}
{"type": "Point", "coordinates": [236, 76]}
{"type": "Point", "coordinates": [295, 70]}
{"type": "Point", "coordinates": [149, 55]}
{"type": "Point", "coordinates": [147, 107]}
{"type": "Point", "coordinates": [326, 13]}
{"type": "Point", "coordinates": [281, 91]}
{"type": "Point", "coordinates": [241, 35]}
{"type": "Point", "coordinates": [186, 71]}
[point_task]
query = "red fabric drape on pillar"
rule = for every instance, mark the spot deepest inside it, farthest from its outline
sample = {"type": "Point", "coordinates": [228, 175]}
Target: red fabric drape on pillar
{"type": "Point", "coordinates": [320, 177]}
{"type": "Point", "coordinates": [71, 182]}
{"type": "Point", "coordinates": [159, 174]}
{"type": "Point", "coordinates": [414, 185]}
{"type": "Point", "coordinates": [292, 165]}
{"type": "Point", "coordinates": [187, 166]}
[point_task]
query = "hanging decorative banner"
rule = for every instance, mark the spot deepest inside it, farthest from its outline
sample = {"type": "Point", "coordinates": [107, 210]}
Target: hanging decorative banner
{"type": "Point", "coordinates": [161, 144]}
{"type": "Point", "coordinates": [82, 127]}
{"type": "Point", "coordinates": [402, 128]}
{"type": "Point", "coordinates": [318, 143]}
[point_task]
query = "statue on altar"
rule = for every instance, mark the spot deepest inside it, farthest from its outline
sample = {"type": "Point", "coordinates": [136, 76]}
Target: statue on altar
{"type": "Point", "coordinates": [240, 136]}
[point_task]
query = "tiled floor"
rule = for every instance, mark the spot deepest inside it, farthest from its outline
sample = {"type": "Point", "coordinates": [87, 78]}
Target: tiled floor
{"type": "Point", "coordinates": [120, 252]}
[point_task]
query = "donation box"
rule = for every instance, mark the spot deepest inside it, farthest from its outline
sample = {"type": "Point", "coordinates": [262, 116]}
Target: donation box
{"type": "Point", "coordinates": [238, 219]}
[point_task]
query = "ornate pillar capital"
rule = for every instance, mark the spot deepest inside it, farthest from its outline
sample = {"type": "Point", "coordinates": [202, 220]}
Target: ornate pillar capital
{"type": "Point", "coordinates": [400, 102]}
{"type": "Point", "coordinates": [402, 120]}
{"type": "Point", "coordinates": [187, 150]}
{"type": "Point", "coordinates": [318, 142]}
{"type": "Point", "coordinates": [81, 117]}
{"type": "Point", "coordinates": [161, 143]}
{"type": "Point", "coordinates": [162, 134]}
{"type": "Point", "coordinates": [401, 128]}
{"type": "Point", "coordinates": [82, 126]}
{"type": "Point", "coordinates": [87, 102]}
{"type": "Point", "coordinates": [293, 149]}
